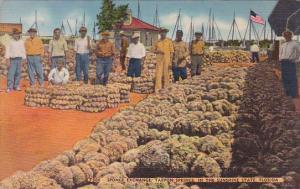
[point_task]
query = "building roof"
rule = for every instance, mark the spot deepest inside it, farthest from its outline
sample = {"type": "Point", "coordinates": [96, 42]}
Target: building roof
{"type": "Point", "coordinates": [280, 14]}
{"type": "Point", "coordinates": [8, 27]}
{"type": "Point", "coordinates": [137, 24]}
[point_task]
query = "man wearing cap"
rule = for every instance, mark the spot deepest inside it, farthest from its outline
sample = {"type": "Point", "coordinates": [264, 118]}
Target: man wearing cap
{"type": "Point", "coordinates": [181, 54]}
{"type": "Point", "coordinates": [164, 50]}
{"type": "Point", "coordinates": [34, 50]}
{"type": "Point", "coordinates": [197, 52]}
{"type": "Point", "coordinates": [57, 48]}
{"type": "Point", "coordinates": [254, 49]}
{"type": "Point", "coordinates": [14, 54]}
{"type": "Point", "coordinates": [123, 50]}
{"type": "Point", "coordinates": [289, 56]}
{"type": "Point", "coordinates": [105, 52]}
{"type": "Point", "coordinates": [82, 49]}
{"type": "Point", "coordinates": [136, 54]}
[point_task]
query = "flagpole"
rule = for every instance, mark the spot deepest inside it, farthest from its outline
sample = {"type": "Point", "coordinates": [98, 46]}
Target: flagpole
{"type": "Point", "coordinates": [265, 27]}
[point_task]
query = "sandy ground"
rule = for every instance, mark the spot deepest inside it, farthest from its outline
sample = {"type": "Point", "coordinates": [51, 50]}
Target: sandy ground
{"type": "Point", "coordinates": [30, 135]}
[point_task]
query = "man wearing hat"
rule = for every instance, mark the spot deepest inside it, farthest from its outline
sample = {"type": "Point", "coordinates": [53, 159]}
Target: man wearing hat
{"type": "Point", "coordinates": [82, 49]}
{"type": "Point", "coordinates": [164, 50]}
{"type": "Point", "coordinates": [57, 48]}
{"type": "Point", "coordinates": [254, 49]}
{"type": "Point", "coordinates": [136, 54]}
{"type": "Point", "coordinates": [123, 49]}
{"type": "Point", "coordinates": [197, 52]}
{"type": "Point", "coordinates": [34, 50]}
{"type": "Point", "coordinates": [105, 52]}
{"type": "Point", "coordinates": [15, 52]}
{"type": "Point", "coordinates": [181, 54]}
{"type": "Point", "coordinates": [289, 56]}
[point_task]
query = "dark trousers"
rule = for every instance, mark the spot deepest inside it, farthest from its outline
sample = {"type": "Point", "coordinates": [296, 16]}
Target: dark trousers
{"type": "Point", "coordinates": [122, 61]}
{"type": "Point", "coordinates": [179, 72]}
{"type": "Point", "coordinates": [103, 67]}
{"type": "Point", "coordinates": [82, 65]}
{"type": "Point", "coordinates": [289, 77]}
{"type": "Point", "coordinates": [270, 55]}
{"type": "Point", "coordinates": [134, 67]}
{"type": "Point", "coordinates": [255, 57]}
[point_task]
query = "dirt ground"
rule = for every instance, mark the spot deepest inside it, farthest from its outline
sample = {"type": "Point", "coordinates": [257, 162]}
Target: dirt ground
{"type": "Point", "coordinates": [30, 135]}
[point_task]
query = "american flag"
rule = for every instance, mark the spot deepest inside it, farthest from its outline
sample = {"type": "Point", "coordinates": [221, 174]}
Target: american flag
{"type": "Point", "coordinates": [256, 18]}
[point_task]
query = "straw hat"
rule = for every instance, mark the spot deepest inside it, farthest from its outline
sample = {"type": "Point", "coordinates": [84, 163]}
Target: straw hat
{"type": "Point", "coordinates": [135, 35]}
{"type": "Point", "coordinates": [179, 32]}
{"type": "Point", "coordinates": [82, 28]}
{"type": "Point", "coordinates": [163, 30]}
{"type": "Point", "coordinates": [198, 33]}
{"type": "Point", "coordinates": [16, 31]}
{"type": "Point", "coordinates": [105, 33]}
{"type": "Point", "coordinates": [287, 32]}
{"type": "Point", "coordinates": [32, 30]}
{"type": "Point", "coordinates": [122, 33]}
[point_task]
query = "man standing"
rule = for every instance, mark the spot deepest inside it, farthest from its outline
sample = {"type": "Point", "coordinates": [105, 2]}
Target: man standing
{"type": "Point", "coordinates": [59, 75]}
{"type": "Point", "coordinates": [164, 51]}
{"type": "Point", "coordinates": [136, 54]}
{"type": "Point", "coordinates": [289, 55]}
{"type": "Point", "coordinates": [57, 48]}
{"type": "Point", "coordinates": [197, 53]}
{"type": "Point", "coordinates": [270, 52]}
{"type": "Point", "coordinates": [181, 53]}
{"type": "Point", "coordinates": [14, 54]}
{"type": "Point", "coordinates": [82, 48]}
{"type": "Point", "coordinates": [123, 49]}
{"type": "Point", "coordinates": [34, 50]}
{"type": "Point", "coordinates": [105, 52]}
{"type": "Point", "coordinates": [254, 49]}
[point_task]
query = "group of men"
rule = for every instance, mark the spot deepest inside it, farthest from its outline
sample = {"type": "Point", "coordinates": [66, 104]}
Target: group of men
{"type": "Point", "coordinates": [174, 55]}
{"type": "Point", "coordinates": [33, 51]}
{"type": "Point", "coordinates": [171, 55]}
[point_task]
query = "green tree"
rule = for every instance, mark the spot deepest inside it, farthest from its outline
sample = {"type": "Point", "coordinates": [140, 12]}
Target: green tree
{"type": "Point", "coordinates": [110, 14]}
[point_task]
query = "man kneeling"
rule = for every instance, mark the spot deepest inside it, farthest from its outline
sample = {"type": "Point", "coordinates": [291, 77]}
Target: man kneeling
{"type": "Point", "coordinates": [59, 75]}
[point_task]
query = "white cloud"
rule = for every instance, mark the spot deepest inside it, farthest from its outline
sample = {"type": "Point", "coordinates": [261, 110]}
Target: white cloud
{"type": "Point", "coordinates": [78, 15]}
{"type": "Point", "coordinates": [41, 18]}
{"type": "Point", "coordinates": [43, 21]}
{"type": "Point", "coordinates": [169, 21]}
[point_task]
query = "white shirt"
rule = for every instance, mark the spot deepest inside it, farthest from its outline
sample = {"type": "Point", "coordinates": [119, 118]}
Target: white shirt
{"type": "Point", "coordinates": [254, 48]}
{"type": "Point", "coordinates": [290, 50]}
{"type": "Point", "coordinates": [81, 45]}
{"type": "Point", "coordinates": [59, 77]}
{"type": "Point", "coordinates": [136, 51]}
{"type": "Point", "coordinates": [15, 49]}
{"type": "Point", "coordinates": [271, 47]}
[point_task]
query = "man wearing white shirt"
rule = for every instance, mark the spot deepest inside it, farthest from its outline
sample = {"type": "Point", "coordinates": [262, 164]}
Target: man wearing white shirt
{"type": "Point", "coordinates": [15, 52]}
{"type": "Point", "coordinates": [59, 75]}
{"type": "Point", "coordinates": [82, 48]}
{"type": "Point", "coordinates": [254, 49]}
{"type": "Point", "coordinates": [136, 54]}
{"type": "Point", "coordinates": [289, 55]}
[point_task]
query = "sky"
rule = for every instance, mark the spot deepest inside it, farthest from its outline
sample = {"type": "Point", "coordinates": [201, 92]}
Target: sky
{"type": "Point", "coordinates": [51, 13]}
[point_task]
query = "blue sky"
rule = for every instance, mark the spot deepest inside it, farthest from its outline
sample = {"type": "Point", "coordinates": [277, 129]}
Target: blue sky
{"type": "Point", "coordinates": [52, 12]}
